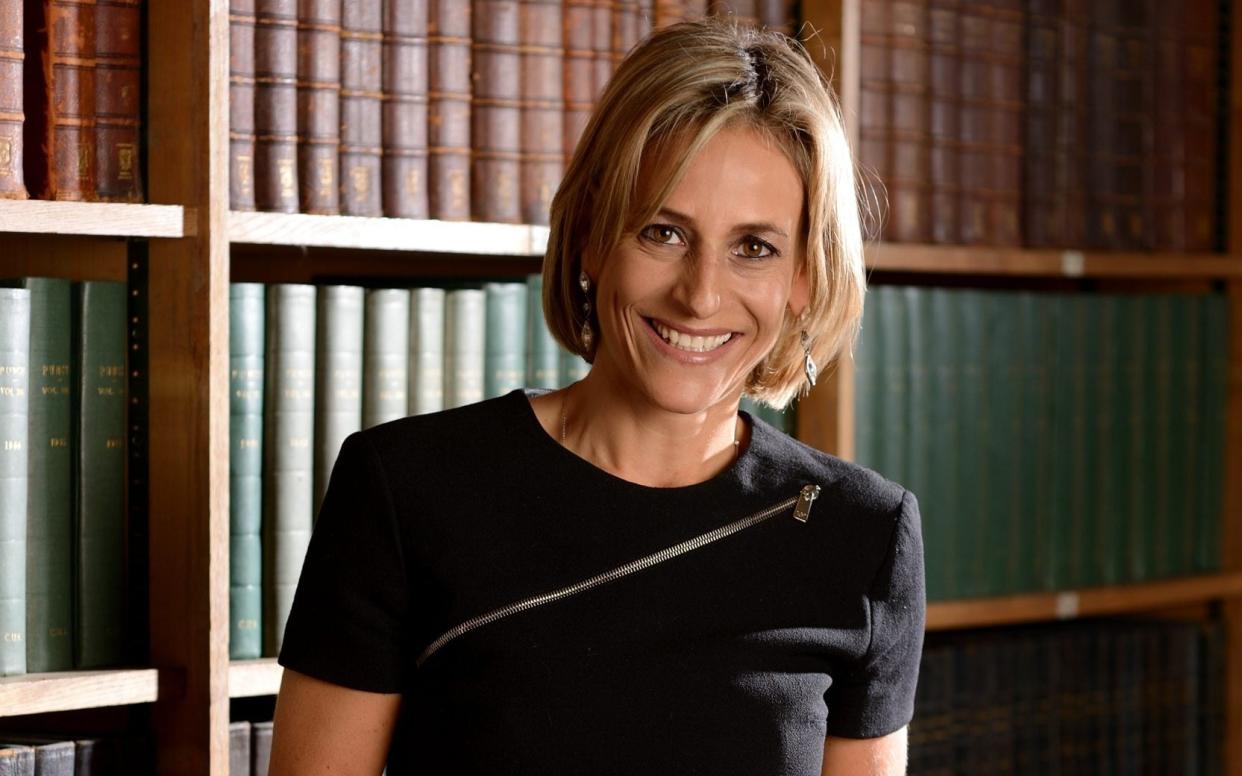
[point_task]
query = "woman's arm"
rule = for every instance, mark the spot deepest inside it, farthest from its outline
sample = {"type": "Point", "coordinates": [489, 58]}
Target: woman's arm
{"type": "Point", "coordinates": [883, 756]}
{"type": "Point", "coordinates": [325, 728]}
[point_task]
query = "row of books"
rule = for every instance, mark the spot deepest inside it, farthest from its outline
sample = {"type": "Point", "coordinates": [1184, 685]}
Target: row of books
{"type": "Point", "coordinates": [250, 748]}
{"type": "Point", "coordinates": [447, 109]}
{"type": "Point", "coordinates": [1085, 698]}
{"type": "Point", "coordinates": [64, 584]}
{"type": "Point", "coordinates": [1044, 123]}
{"type": "Point", "coordinates": [22, 754]}
{"type": "Point", "coordinates": [71, 99]}
{"type": "Point", "coordinates": [1056, 441]}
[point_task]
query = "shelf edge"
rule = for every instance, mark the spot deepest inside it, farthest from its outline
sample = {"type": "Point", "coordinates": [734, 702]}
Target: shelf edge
{"type": "Point", "coordinates": [72, 690]}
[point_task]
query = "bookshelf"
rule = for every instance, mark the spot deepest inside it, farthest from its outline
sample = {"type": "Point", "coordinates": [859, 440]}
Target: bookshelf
{"type": "Point", "coordinates": [197, 246]}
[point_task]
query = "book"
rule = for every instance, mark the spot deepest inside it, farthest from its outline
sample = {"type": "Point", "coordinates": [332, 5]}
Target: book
{"type": "Point", "coordinates": [578, 71]}
{"type": "Point", "coordinates": [405, 82]}
{"type": "Point", "coordinates": [1006, 64]}
{"type": "Point", "coordinates": [49, 506]}
{"type": "Point", "coordinates": [260, 748]}
{"type": "Point", "coordinates": [542, 350]}
{"type": "Point", "coordinates": [338, 376]}
{"type": "Point", "coordinates": [601, 45]}
{"type": "Point", "coordinates": [17, 760]}
{"type": "Point", "coordinates": [425, 384]}
{"type": "Point", "coordinates": [944, 169]}
{"type": "Point", "coordinates": [386, 356]}
{"type": "Point", "coordinates": [319, 105]}
{"type": "Point", "coordinates": [448, 109]}
{"type": "Point", "coordinates": [241, 104]}
{"type": "Point", "coordinates": [361, 112]}
{"type": "Point", "coordinates": [505, 338]}
{"type": "Point", "coordinates": [572, 367]}
{"type": "Point", "coordinates": [496, 115]}
{"type": "Point", "coordinates": [14, 403]}
{"type": "Point", "coordinates": [288, 451]}
{"type": "Point", "coordinates": [239, 748]}
{"type": "Point", "coordinates": [246, 354]}
{"type": "Point", "coordinates": [276, 105]}
{"type": "Point", "coordinates": [465, 322]}
{"type": "Point", "coordinates": [12, 105]}
{"type": "Point", "coordinates": [51, 757]}
{"type": "Point", "coordinates": [908, 146]}
{"type": "Point", "coordinates": [99, 372]}
{"type": "Point", "coordinates": [542, 105]}
{"type": "Point", "coordinates": [118, 99]}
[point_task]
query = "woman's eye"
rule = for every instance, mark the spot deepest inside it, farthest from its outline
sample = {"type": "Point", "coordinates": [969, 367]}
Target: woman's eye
{"type": "Point", "coordinates": [662, 234]}
{"type": "Point", "coordinates": [754, 248]}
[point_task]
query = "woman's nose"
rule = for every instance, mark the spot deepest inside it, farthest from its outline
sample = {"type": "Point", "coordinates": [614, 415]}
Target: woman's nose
{"type": "Point", "coordinates": [699, 287]}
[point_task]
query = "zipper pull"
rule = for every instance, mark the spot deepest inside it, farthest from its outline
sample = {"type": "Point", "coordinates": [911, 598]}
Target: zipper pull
{"type": "Point", "coordinates": [802, 512]}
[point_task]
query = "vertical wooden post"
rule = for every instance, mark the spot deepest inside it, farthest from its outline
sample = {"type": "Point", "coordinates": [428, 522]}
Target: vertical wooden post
{"type": "Point", "coordinates": [187, 83]}
{"type": "Point", "coordinates": [830, 32]}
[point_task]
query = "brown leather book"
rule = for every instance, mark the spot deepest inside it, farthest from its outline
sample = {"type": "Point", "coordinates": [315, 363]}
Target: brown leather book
{"type": "Point", "coordinates": [579, 70]}
{"type": "Point", "coordinates": [1070, 160]}
{"type": "Point", "coordinates": [746, 12]}
{"type": "Point", "coordinates": [943, 32]}
{"type": "Point", "coordinates": [448, 109]}
{"type": "Point", "coordinates": [1202, 117]}
{"type": "Point", "coordinates": [646, 18]}
{"type": "Point", "coordinates": [276, 105]}
{"type": "Point", "coordinates": [873, 115]}
{"type": "Point", "coordinates": [12, 116]}
{"type": "Point", "coordinates": [405, 109]}
{"type": "Point", "coordinates": [118, 99]}
{"type": "Point", "coordinates": [666, 12]}
{"type": "Point", "coordinates": [361, 107]}
{"type": "Point", "coordinates": [625, 20]}
{"type": "Point", "coordinates": [601, 43]}
{"type": "Point", "coordinates": [909, 187]}
{"type": "Point", "coordinates": [1135, 109]}
{"type": "Point", "coordinates": [1041, 224]}
{"type": "Point", "coordinates": [975, 132]}
{"type": "Point", "coordinates": [241, 104]}
{"type": "Point", "coordinates": [496, 118]}
{"type": "Point", "coordinates": [543, 106]}
{"type": "Point", "coordinates": [1169, 151]}
{"type": "Point", "coordinates": [695, 9]}
{"type": "Point", "coordinates": [779, 15]}
{"type": "Point", "coordinates": [1006, 106]}
{"type": "Point", "coordinates": [319, 106]}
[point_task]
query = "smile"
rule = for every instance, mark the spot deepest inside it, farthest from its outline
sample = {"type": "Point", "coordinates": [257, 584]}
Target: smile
{"type": "Point", "coordinates": [689, 342]}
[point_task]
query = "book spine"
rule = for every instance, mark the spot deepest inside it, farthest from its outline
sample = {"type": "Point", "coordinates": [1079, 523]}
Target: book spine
{"type": "Point", "coordinates": [1030, 354]}
{"type": "Point", "coordinates": [496, 117]}
{"type": "Point", "coordinates": [426, 379]}
{"type": "Point", "coordinates": [246, 343]}
{"type": "Point", "coordinates": [1200, 119]}
{"type": "Point", "coordinates": [1040, 196]}
{"type": "Point", "coordinates": [1214, 367]}
{"type": "Point", "coordinates": [866, 389]}
{"type": "Point", "coordinates": [260, 748]}
{"type": "Point", "coordinates": [779, 15]}
{"type": "Point", "coordinates": [973, 529]}
{"type": "Point", "coordinates": [319, 105]}
{"type": "Point", "coordinates": [241, 104]}
{"type": "Point", "coordinates": [1104, 229]}
{"type": "Point", "coordinates": [118, 99]}
{"type": "Point", "coordinates": [505, 338]}
{"type": "Point", "coordinates": [543, 106]}
{"type": "Point", "coordinates": [448, 109]}
{"type": "Point", "coordinates": [601, 45]}
{"type": "Point", "coordinates": [464, 326]}
{"type": "Point", "coordinates": [276, 105]}
{"type": "Point", "coordinates": [1002, 439]}
{"type": "Point", "coordinates": [1106, 429]}
{"type": "Point", "coordinates": [1168, 127]}
{"type": "Point", "coordinates": [49, 509]}
{"type": "Point", "coordinates": [362, 49]}
{"type": "Point", "coordinates": [624, 29]}
{"type": "Point", "coordinates": [17, 760]}
{"type": "Point", "coordinates": [943, 109]}
{"type": "Point", "coordinates": [1182, 403]}
{"type": "Point", "coordinates": [578, 78]}
{"type": "Point", "coordinates": [1006, 63]}
{"type": "Point", "coordinates": [12, 112]}
{"type": "Point", "coordinates": [288, 457]}
{"type": "Point", "coordinates": [918, 440]}
{"type": "Point", "coordinates": [386, 360]}
{"type": "Point", "coordinates": [666, 12]}
{"type": "Point", "coordinates": [14, 403]}
{"type": "Point", "coordinates": [875, 99]}
{"type": "Point", "coordinates": [338, 377]}
{"type": "Point", "coordinates": [100, 429]}
{"type": "Point", "coordinates": [542, 348]}
{"type": "Point", "coordinates": [1072, 143]}
{"type": "Point", "coordinates": [1134, 85]}
{"type": "Point", "coordinates": [1163, 542]}
{"type": "Point", "coordinates": [70, 76]}
{"type": "Point", "coordinates": [405, 109]}
{"type": "Point", "coordinates": [909, 187]}
{"type": "Point", "coordinates": [974, 123]}
{"type": "Point", "coordinates": [572, 368]}
{"type": "Point", "coordinates": [239, 748]}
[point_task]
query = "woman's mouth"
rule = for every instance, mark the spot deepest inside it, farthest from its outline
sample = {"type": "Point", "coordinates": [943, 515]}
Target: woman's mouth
{"type": "Point", "coordinates": [691, 343]}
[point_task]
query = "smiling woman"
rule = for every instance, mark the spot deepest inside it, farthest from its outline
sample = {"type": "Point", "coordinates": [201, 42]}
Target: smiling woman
{"type": "Point", "coordinates": [630, 575]}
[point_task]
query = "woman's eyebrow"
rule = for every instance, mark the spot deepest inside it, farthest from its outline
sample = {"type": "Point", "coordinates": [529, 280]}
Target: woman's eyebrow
{"type": "Point", "coordinates": [752, 227]}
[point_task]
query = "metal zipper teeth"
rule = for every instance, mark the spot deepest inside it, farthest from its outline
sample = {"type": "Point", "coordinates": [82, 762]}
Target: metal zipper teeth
{"type": "Point", "coordinates": [610, 576]}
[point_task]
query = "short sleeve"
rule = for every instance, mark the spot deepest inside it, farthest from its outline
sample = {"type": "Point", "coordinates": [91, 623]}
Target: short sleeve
{"type": "Point", "coordinates": [348, 622]}
{"type": "Point", "coordinates": [876, 697]}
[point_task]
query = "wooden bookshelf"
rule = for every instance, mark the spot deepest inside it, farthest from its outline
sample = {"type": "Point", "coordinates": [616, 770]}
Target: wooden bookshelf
{"type": "Point", "coordinates": [387, 234]}
{"type": "Point", "coordinates": [248, 678]}
{"type": "Point", "coordinates": [70, 690]}
{"type": "Point", "coordinates": [1027, 262]}
{"type": "Point", "coordinates": [97, 219]}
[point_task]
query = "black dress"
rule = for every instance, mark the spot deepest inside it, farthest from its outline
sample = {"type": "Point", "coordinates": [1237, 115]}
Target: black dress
{"type": "Point", "coordinates": [736, 658]}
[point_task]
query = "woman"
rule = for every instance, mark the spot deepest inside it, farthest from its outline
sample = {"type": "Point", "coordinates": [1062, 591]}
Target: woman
{"type": "Point", "coordinates": [469, 601]}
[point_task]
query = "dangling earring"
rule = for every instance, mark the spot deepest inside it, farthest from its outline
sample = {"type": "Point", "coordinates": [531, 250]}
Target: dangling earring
{"type": "Point", "coordinates": [811, 370]}
{"type": "Point", "coordinates": [587, 336]}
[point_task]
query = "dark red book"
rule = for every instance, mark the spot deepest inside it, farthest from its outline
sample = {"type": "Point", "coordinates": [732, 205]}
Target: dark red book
{"type": "Point", "coordinates": [579, 70]}
{"type": "Point", "coordinates": [1136, 106]}
{"type": "Point", "coordinates": [1006, 106]}
{"type": "Point", "coordinates": [118, 100]}
{"type": "Point", "coordinates": [319, 105]}
{"type": "Point", "coordinates": [975, 128]}
{"type": "Point", "coordinates": [780, 15]}
{"type": "Point", "coordinates": [943, 32]}
{"type": "Point", "coordinates": [405, 109]}
{"type": "Point", "coordinates": [12, 114]}
{"type": "Point", "coordinates": [909, 171]}
{"type": "Point", "coordinates": [241, 104]}
{"type": "Point", "coordinates": [496, 116]}
{"type": "Point", "coordinates": [448, 109]}
{"type": "Point", "coordinates": [873, 115]}
{"type": "Point", "coordinates": [745, 12]}
{"type": "Point", "coordinates": [625, 22]}
{"type": "Point", "coordinates": [601, 43]}
{"type": "Point", "coordinates": [543, 106]}
{"type": "Point", "coordinates": [361, 111]}
{"type": "Point", "coordinates": [276, 105]}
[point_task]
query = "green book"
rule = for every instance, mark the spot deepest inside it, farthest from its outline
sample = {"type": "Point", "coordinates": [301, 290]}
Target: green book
{"type": "Point", "coordinates": [943, 506]}
{"type": "Point", "coordinates": [99, 379]}
{"type": "Point", "coordinates": [386, 356]}
{"type": "Point", "coordinates": [288, 451]}
{"type": "Point", "coordinates": [1215, 370]}
{"type": "Point", "coordinates": [1064, 547]}
{"type": "Point", "coordinates": [1076, 467]}
{"type": "Point", "coordinates": [338, 376]}
{"type": "Point", "coordinates": [14, 401]}
{"type": "Point", "coordinates": [1137, 379]}
{"type": "Point", "coordinates": [542, 349]}
{"type": "Point", "coordinates": [1107, 428]}
{"type": "Point", "coordinates": [921, 445]}
{"type": "Point", "coordinates": [1090, 474]}
{"type": "Point", "coordinates": [971, 540]}
{"type": "Point", "coordinates": [49, 498]}
{"type": "Point", "coordinates": [1003, 419]}
{"type": "Point", "coordinates": [505, 362]}
{"type": "Point", "coordinates": [246, 331]}
{"type": "Point", "coordinates": [1162, 541]}
{"type": "Point", "coordinates": [1184, 497]}
{"type": "Point", "coordinates": [572, 368]}
{"type": "Point", "coordinates": [426, 380]}
{"type": "Point", "coordinates": [865, 388]}
{"type": "Point", "coordinates": [465, 322]}
{"type": "Point", "coordinates": [895, 372]}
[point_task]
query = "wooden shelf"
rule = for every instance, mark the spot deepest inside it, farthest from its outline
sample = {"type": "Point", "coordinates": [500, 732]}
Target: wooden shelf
{"type": "Point", "coordinates": [68, 690]}
{"type": "Point", "coordinates": [1028, 262]}
{"type": "Point", "coordinates": [248, 678]}
{"type": "Point", "coordinates": [1073, 604]}
{"type": "Point", "coordinates": [387, 234]}
{"type": "Point", "coordinates": [99, 219]}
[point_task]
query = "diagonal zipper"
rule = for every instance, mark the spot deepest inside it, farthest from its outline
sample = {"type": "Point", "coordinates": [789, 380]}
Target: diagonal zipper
{"type": "Point", "coordinates": [802, 512]}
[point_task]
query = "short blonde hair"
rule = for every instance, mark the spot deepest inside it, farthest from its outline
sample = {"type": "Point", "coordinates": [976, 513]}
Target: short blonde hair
{"type": "Point", "coordinates": [672, 93]}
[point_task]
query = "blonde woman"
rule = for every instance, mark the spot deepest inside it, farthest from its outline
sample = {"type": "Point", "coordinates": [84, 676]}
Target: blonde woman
{"type": "Point", "coordinates": [629, 575]}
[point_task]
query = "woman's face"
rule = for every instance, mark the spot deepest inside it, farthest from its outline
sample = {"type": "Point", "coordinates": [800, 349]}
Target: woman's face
{"type": "Point", "coordinates": [690, 304]}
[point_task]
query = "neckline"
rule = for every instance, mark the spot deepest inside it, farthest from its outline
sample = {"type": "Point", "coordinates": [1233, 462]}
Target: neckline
{"type": "Point", "coordinates": [732, 475]}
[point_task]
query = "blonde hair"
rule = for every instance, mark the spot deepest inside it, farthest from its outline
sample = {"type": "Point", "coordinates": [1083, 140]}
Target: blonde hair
{"type": "Point", "coordinates": [672, 93]}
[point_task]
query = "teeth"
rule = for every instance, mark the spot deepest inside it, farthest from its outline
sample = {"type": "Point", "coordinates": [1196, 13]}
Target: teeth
{"type": "Point", "coordinates": [687, 342]}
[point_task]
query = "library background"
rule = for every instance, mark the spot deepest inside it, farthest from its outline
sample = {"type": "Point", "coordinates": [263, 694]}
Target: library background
{"type": "Point", "coordinates": [237, 230]}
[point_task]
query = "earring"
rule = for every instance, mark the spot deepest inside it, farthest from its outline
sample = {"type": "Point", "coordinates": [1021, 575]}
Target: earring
{"type": "Point", "coordinates": [587, 336]}
{"type": "Point", "coordinates": [811, 370]}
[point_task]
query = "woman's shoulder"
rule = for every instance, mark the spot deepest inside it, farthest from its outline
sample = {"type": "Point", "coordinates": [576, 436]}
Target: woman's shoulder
{"type": "Point", "coordinates": [437, 436]}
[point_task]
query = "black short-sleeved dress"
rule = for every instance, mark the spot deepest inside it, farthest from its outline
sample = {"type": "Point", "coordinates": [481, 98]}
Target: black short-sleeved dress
{"type": "Point", "coordinates": [736, 658]}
